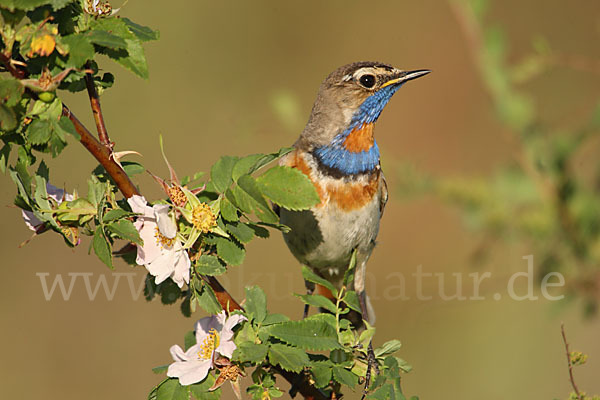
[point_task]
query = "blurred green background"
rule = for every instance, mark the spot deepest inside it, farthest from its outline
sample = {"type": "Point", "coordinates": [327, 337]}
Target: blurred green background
{"type": "Point", "coordinates": [240, 77]}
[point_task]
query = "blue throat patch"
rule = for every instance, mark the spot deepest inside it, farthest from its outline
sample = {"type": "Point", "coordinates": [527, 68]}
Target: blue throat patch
{"type": "Point", "coordinates": [336, 156]}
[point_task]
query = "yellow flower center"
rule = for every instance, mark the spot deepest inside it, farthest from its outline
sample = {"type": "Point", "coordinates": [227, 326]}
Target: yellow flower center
{"type": "Point", "coordinates": [208, 346]}
{"type": "Point", "coordinates": [162, 240]}
{"type": "Point", "coordinates": [203, 218]}
{"type": "Point", "coordinates": [177, 196]}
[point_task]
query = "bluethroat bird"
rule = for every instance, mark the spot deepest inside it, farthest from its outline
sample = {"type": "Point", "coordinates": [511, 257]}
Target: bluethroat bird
{"type": "Point", "coordinates": [338, 153]}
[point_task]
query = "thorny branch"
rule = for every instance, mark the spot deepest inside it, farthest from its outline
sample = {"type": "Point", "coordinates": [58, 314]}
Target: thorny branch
{"type": "Point", "coordinates": [571, 378]}
{"type": "Point", "coordinates": [97, 110]}
{"type": "Point", "coordinates": [102, 153]}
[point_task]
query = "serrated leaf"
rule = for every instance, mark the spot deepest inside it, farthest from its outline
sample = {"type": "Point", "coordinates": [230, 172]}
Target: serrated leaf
{"type": "Point", "coordinates": [208, 301]}
{"type": "Point", "coordinates": [161, 369]}
{"type": "Point", "coordinates": [8, 120]}
{"type": "Point", "coordinates": [244, 166]}
{"type": "Point", "coordinates": [351, 300]}
{"type": "Point", "coordinates": [67, 126]}
{"type": "Point", "coordinates": [143, 33]}
{"type": "Point", "coordinates": [288, 188]}
{"type": "Point", "coordinates": [240, 231]}
{"type": "Point", "coordinates": [200, 390]}
{"type": "Point", "coordinates": [80, 49]}
{"type": "Point", "coordinates": [172, 390]}
{"type": "Point", "coordinates": [316, 300]}
{"type": "Point", "coordinates": [209, 265]}
{"type": "Point", "coordinates": [228, 211]}
{"type": "Point", "coordinates": [287, 357]}
{"type": "Point", "coordinates": [306, 334]}
{"type": "Point", "coordinates": [272, 319]}
{"type": "Point", "coordinates": [251, 352]}
{"type": "Point", "coordinates": [383, 393]}
{"type": "Point", "coordinates": [220, 173]}
{"type": "Point", "coordinates": [11, 91]}
{"type": "Point", "coordinates": [39, 131]}
{"type": "Point", "coordinates": [106, 39]}
{"type": "Point", "coordinates": [310, 276]}
{"type": "Point", "coordinates": [4, 154]}
{"type": "Point", "coordinates": [388, 348]}
{"type": "Point", "coordinates": [321, 375]}
{"type": "Point", "coordinates": [102, 247]}
{"type": "Point", "coordinates": [115, 214]}
{"type": "Point", "coordinates": [229, 251]}
{"type": "Point", "coordinates": [345, 377]}
{"type": "Point", "coordinates": [125, 230]}
{"type": "Point", "coordinates": [256, 303]}
{"type": "Point", "coordinates": [249, 198]}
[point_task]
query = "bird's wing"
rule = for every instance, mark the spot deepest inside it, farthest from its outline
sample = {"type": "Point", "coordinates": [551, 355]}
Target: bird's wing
{"type": "Point", "coordinates": [383, 198]}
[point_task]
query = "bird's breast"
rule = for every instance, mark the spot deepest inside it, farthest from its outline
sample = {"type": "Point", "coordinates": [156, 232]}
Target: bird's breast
{"type": "Point", "coordinates": [344, 194]}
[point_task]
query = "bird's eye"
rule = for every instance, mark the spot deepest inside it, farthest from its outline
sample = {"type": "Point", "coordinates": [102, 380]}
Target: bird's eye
{"type": "Point", "coordinates": [367, 81]}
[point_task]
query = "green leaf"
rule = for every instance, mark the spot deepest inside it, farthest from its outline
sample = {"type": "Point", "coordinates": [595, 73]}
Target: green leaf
{"type": "Point", "coordinates": [249, 198]}
{"type": "Point", "coordinates": [161, 369]}
{"type": "Point", "coordinates": [321, 375]}
{"type": "Point", "coordinates": [256, 303]}
{"type": "Point", "coordinates": [106, 39]}
{"type": "Point", "coordinates": [388, 348]}
{"type": "Point", "coordinates": [208, 301]}
{"type": "Point", "coordinates": [4, 154]}
{"type": "Point", "coordinates": [316, 300]}
{"type": "Point", "coordinates": [67, 126]}
{"type": "Point", "coordinates": [220, 173]}
{"type": "Point", "coordinates": [125, 230]}
{"type": "Point", "coordinates": [289, 188]}
{"type": "Point", "coordinates": [229, 251]}
{"type": "Point", "coordinates": [306, 334]}
{"type": "Point", "coordinates": [310, 276]}
{"type": "Point", "coordinates": [102, 247]}
{"type": "Point", "coordinates": [272, 319]}
{"type": "Point", "coordinates": [80, 49]}
{"type": "Point", "coordinates": [133, 58]}
{"type": "Point", "coordinates": [209, 265]}
{"type": "Point", "coordinates": [172, 390]}
{"type": "Point", "coordinates": [251, 352]}
{"type": "Point", "coordinates": [143, 33]}
{"type": "Point", "coordinates": [240, 231]}
{"type": "Point", "coordinates": [245, 165]}
{"type": "Point", "coordinates": [11, 91]}
{"type": "Point", "coordinates": [8, 120]}
{"type": "Point", "coordinates": [351, 300]}
{"type": "Point", "coordinates": [115, 214]}
{"type": "Point", "coordinates": [133, 168]}
{"type": "Point", "coordinates": [200, 390]}
{"type": "Point", "coordinates": [39, 131]}
{"type": "Point", "coordinates": [287, 357]}
{"type": "Point", "coordinates": [345, 377]}
{"type": "Point", "coordinates": [228, 211]}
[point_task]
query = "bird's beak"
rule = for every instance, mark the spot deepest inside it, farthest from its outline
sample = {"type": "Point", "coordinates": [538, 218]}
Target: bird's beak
{"type": "Point", "coordinates": [406, 76]}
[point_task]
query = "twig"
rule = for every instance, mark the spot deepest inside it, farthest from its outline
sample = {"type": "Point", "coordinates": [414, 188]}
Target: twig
{"type": "Point", "coordinates": [17, 73]}
{"type": "Point", "coordinates": [571, 378]}
{"type": "Point", "coordinates": [97, 110]}
{"type": "Point", "coordinates": [102, 153]}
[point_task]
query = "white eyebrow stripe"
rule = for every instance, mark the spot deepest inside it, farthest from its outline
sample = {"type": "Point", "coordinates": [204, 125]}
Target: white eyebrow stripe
{"type": "Point", "coordinates": [347, 78]}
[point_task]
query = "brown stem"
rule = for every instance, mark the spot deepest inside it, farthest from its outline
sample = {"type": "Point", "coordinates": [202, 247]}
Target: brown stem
{"type": "Point", "coordinates": [571, 378]}
{"type": "Point", "coordinates": [97, 111]}
{"type": "Point", "coordinates": [102, 154]}
{"type": "Point", "coordinates": [17, 73]}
